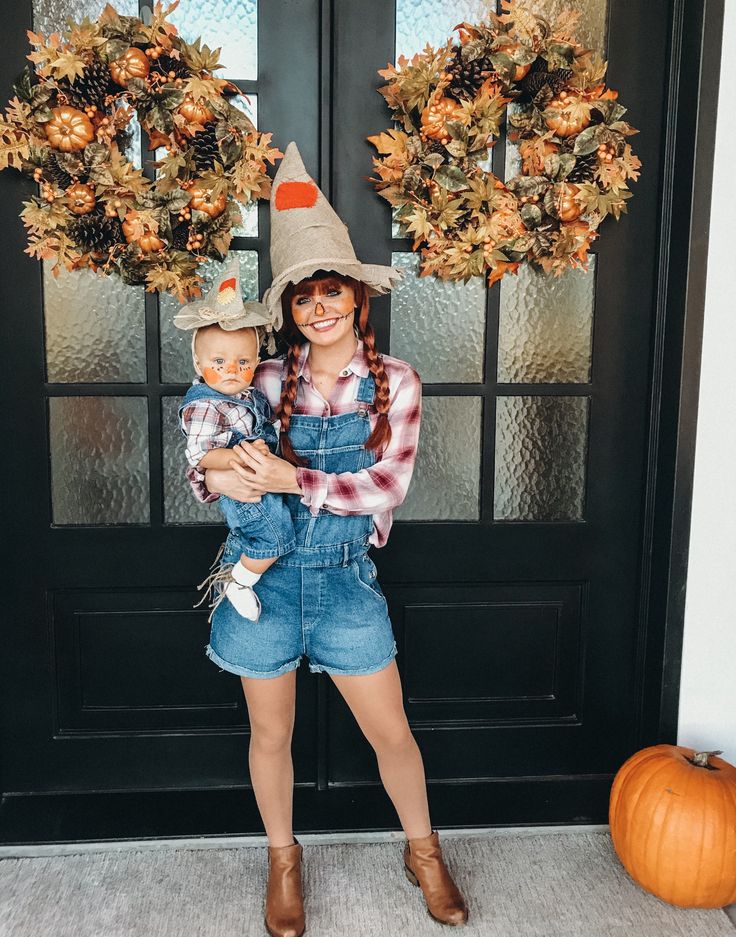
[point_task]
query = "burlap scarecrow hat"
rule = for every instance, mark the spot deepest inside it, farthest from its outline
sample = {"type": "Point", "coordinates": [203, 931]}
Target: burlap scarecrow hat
{"type": "Point", "coordinates": [223, 304]}
{"type": "Point", "coordinates": [307, 235]}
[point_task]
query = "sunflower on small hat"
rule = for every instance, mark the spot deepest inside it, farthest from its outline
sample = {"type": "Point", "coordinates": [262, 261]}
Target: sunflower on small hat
{"type": "Point", "coordinates": [223, 305]}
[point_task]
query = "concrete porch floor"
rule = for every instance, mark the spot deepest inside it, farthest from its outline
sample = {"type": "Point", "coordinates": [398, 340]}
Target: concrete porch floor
{"type": "Point", "coordinates": [519, 882]}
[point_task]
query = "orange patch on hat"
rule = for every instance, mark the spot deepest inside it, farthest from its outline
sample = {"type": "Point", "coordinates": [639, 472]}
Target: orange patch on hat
{"type": "Point", "coordinates": [227, 285]}
{"type": "Point", "coordinates": [296, 195]}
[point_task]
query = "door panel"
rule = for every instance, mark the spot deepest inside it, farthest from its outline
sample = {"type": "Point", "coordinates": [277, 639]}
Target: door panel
{"type": "Point", "coordinates": [512, 568]}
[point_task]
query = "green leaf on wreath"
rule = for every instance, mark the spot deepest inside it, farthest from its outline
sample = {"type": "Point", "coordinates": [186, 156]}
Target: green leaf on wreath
{"type": "Point", "coordinates": [531, 215]}
{"type": "Point", "coordinates": [558, 165]}
{"type": "Point", "coordinates": [451, 178]}
{"type": "Point", "coordinates": [588, 141]}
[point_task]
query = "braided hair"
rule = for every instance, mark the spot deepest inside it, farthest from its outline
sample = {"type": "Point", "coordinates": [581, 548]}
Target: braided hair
{"type": "Point", "coordinates": [381, 434]}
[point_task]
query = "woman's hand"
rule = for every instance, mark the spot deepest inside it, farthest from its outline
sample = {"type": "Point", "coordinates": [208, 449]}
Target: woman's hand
{"type": "Point", "coordinates": [227, 482]}
{"type": "Point", "coordinates": [265, 471]}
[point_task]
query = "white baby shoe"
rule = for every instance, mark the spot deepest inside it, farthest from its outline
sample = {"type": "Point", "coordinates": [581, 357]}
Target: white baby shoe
{"type": "Point", "coordinates": [240, 592]}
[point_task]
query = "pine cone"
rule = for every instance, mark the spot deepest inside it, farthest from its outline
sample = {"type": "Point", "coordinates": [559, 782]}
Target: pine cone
{"type": "Point", "coordinates": [205, 147]}
{"type": "Point", "coordinates": [180, 237]}
{"type": "Point", "coordinates": [584, 168]}
{"type": "Point", "coordinates": [53, 170]}
{"type": "Point", "coordinates": [467, 77]}
{"type": "Point", "coordinates": [91, 87]}
{"type": "Point", "coordinates": [538, 78]}
{"type": "Point", "coordinates": [165, 64]}
{"type": "Point", "coordinates": [96, 231]}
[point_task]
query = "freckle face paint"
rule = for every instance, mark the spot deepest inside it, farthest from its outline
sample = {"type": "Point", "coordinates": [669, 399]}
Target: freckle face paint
{"type": "Point", "coordinates": [247, 374]}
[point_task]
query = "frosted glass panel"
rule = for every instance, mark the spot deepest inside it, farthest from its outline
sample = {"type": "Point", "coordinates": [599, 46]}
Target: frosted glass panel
{"type": "Point", "coordinates": [231, 25]}
{"type": "Point", "coordinates": [176, 357]}
{"type": "Point", "coordinates": [99, 460]}
{"type": "Point", "coordinates": [545, 326]}
{"type": "Point", "coordinates": [446, 480]}
{"type": "Point", "coordinates": [95, 327]}
{"type": "Point", "coordinates": [438, 325]}
{"type": "Point", "coordinates": [50, 15]}
{"type": "Point", "coordinates": [541, 447]}
{"type": "Point", "coordinates": [419, 22]}
{"type": "Point", "coordinates": [180, 505]}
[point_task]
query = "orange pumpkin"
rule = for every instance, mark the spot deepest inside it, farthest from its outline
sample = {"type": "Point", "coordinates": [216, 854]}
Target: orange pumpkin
{"type": "Point", "coordinates": [149, 241]}
{"type": "Point", "coordinates": [202, 200]}
{"type": "Point", "coordinates": [570, 118]}
{"type": "Point", "coordinates": [69, 129]}
{"type": "Point", "coordinates": [81, 198]}
{"type": "Point", "coordinates": [132, 64]}
{"type": "Point", "coordinates": [672, 815]}
{"type": "Point", "coordinates": [196, 112]}
{"type": "Point", "coordinates": [435, 115]}
{"type": "Point", "coordinates": [567, 208]}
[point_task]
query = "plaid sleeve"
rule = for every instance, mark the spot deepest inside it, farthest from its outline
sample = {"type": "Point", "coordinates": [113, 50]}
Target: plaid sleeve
{"type": "Point", "coordinates": [382, 486]}
{"type": "Point", "coordinates": [200, 490]}
{"type": "Point", "coordinates": [205, 427]}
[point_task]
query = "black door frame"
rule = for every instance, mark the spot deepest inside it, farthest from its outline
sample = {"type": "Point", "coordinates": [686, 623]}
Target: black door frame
{"type": "Point", "coordinates": [689, 136]}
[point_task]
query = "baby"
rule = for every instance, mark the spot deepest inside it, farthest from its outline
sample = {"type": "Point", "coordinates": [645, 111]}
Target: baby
{"type": "Point", "coordinates": [219, 410]}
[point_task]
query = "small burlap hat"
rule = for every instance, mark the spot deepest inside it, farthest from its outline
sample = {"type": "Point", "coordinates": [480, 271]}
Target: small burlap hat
{"type": "Point", "coordinates": [223, 304]}
{"type": "Point", "coordinates": [307, 235]}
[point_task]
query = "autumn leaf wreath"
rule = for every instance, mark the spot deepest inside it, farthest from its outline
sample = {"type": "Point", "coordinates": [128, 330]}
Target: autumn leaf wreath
{"type": "Point", "coordinates": [69, 127]}
{"type": "Point", "coordinates": [448, 106]}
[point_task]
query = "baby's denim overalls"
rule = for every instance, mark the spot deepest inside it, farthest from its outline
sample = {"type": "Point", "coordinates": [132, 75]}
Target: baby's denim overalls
{"type": "Point", "coordinates": [263, 528]}
{"type": "Point", "coordinates": [321, 599]}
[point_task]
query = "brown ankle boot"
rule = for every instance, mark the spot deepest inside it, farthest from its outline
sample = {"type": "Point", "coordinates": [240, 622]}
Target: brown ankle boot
{"type": "Point", "coordinates": [425, 866]}
{"type": "Point", "coordinates": [284, 915]}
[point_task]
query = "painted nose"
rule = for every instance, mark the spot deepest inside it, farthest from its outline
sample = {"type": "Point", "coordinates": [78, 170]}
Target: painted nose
{"type": "Point", "coordinates": [231, 369]}
{"type": "Point", "coordinates": [319, 309]}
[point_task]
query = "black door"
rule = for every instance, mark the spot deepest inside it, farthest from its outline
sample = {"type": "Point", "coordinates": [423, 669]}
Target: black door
{"type": "Point", "coordinates": [512, 570]}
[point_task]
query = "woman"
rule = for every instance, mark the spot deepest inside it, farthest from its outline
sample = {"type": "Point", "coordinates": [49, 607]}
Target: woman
{"type": "Point", "coordinates": [349, 426]}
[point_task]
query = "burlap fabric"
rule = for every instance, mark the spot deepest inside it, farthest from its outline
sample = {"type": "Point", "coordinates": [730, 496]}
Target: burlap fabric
{"type": "Point", "coordinates": [307, 235]}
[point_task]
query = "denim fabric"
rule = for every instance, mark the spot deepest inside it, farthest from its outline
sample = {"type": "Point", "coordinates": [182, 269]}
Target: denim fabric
{"type": "Point", "coordinates": [263, 528]}
{"type": "Point", "coordinates": [322, 599]}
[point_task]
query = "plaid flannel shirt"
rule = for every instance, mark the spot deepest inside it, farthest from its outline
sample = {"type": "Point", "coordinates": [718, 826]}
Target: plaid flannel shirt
{"type": "Point", "coordinates": [375, 490]}
{"type": "Point", "coordinates": [210, 424]}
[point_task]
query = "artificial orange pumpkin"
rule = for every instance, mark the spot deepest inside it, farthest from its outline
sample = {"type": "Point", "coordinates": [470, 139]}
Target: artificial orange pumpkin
{"type": "Point", "coordinates": [567, 208]}
{"type": "Point", "coordinates": [568, 115]}
{"type": "Point", "coordinates": [435, 115]}
{"type": "Point", "coordinates": [69, 129]}
{"type": "Point", "coordinates": [132, 64]}
{"type": "Point", "coordinates": [81, 198]}
{"type": "Point", "coordinates": [672, 815]}
{"type": "Point", "coordinates": [196, 112]}
{"type": "Point", "coordinates": [202, 200]}
{"type": "Point", "coordinates": [149, 240]}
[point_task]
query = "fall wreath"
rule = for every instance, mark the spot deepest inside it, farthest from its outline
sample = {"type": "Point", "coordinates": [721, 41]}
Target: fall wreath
{"type": "Point", "coordinates": [449, 104]}
{"type": "Point", "coordinates": [68, 126]}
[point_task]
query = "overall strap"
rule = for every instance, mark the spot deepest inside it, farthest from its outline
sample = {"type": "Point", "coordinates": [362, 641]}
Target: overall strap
{"type": "Point", "coordinates": [366, 389]}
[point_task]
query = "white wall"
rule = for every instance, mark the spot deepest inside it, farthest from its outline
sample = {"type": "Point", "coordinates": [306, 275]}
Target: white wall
{"type": "Point", "coordinates": [707, 718]}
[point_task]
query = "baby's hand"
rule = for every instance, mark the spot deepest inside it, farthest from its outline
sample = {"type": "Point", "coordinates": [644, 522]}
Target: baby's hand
{"type": "Point", "coordinates": [262, 445]}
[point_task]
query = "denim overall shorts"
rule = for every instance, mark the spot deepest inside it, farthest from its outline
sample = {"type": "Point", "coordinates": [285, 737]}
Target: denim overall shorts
{"type": "Point", "coordinates": [321, 599]}
{"type": "Point", "coordinates": [263, 528]}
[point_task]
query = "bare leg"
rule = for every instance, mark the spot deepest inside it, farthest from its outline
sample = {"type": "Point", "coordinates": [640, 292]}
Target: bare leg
{"type": "Point", "coordinates": [259, 565]}
{"type": "Point", "coordinates": [376, 702]}
{"type": "Point", "coordinates": [271, 704]}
